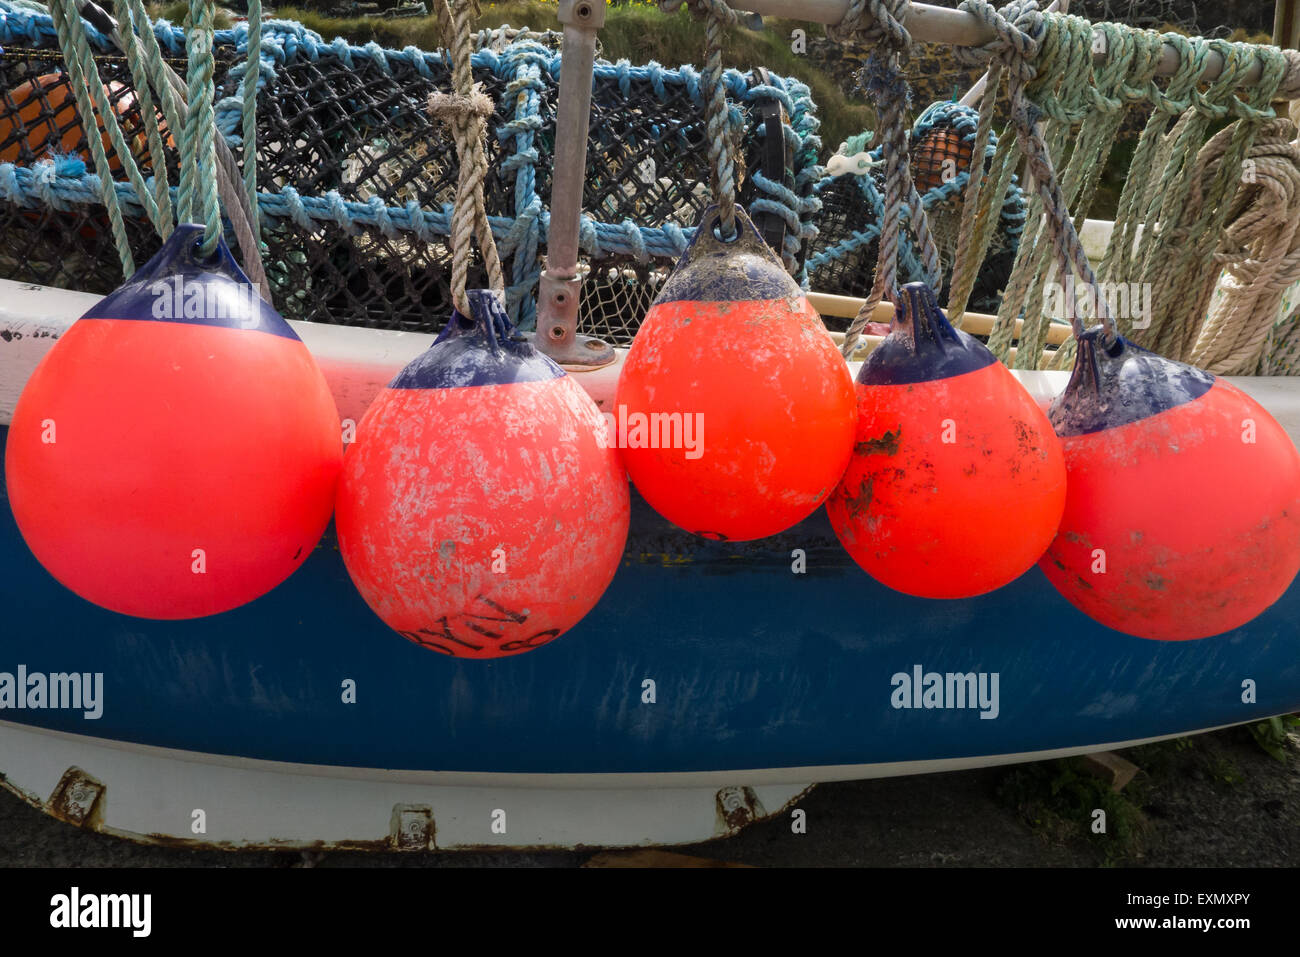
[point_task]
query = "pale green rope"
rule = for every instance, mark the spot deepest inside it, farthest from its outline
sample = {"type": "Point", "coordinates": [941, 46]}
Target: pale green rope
{"type": "Point", "coordinates": [82, 75]}
{"type": "Point", "coordinates": [173, 110]}
{"type": "Point", "coordinates": [977, 222]}
{"type": "Point", "coordinates": [197, 195]}
{"type": "Point", "coordinates": [140, 77]}
{"type": "Point", "coordinates": [1196, 257]}
{"type": "Point", "coordinates": [251, 75]}
{"type": "Point", "coordinates": [1064, 56]}
{"type": "Point", "coordinates": [1098, 111]}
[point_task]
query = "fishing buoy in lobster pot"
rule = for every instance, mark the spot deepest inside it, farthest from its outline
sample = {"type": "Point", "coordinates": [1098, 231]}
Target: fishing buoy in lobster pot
{"type": "Point", "coordinates": [957, 481]}
{"type": "Point", "coordinates": [1183, 514]}
{"type": "Point", "coordinates": [735, 409]}
{"type": "Point", "coordinates": [43, 122]}
{"type": "Point", "coordinates": [176, 453]}
{"type": "Point", "coordinates": [483, 508]}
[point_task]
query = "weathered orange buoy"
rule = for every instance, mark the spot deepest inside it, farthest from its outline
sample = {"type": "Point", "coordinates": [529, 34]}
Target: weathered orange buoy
{"type": "Point", "coordinates": [1183, 513]}
{"type": "Point", "coordinates": [45, 121]}
{"type": "Point", "coordinates": [957, 481]}
{"type": "Point", "coordinates": [483, 509]}
{"type": "Point", "coordinates": [175, 453]}
{"type": "Point", "coordinates": [738, 410]}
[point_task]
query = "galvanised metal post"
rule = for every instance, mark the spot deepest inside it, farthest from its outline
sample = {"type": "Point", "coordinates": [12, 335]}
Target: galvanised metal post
{"type": "Point", "coordinates": [560, 286]}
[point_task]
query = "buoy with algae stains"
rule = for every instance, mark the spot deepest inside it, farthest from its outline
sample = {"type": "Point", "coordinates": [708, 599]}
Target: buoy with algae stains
{"type": "Point", "coordinates": [483, 508]}
{"type": "Point", "coordinates": [957, 481]}
{"type": "Point", "coordinates": [1182, 518]}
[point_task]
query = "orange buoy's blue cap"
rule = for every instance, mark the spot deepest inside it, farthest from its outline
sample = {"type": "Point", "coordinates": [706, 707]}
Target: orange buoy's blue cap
{"type": "Point", "coordinates": [922, 345]}
{"type": "Point", "coordinates": [1117, 383]}
{"type": "Point", "coordinates": [483, 348]}
{"type": "Point", "coordinates": [740, 269]}
{"type": "Point", "coordinates": [180, 284]}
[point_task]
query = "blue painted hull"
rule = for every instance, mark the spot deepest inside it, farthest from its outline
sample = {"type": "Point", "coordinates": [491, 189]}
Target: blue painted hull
{"type": "Point", "coordinates": [755, 667]}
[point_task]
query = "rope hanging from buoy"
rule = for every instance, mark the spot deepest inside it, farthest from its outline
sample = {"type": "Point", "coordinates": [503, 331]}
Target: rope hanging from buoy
{"type": "Point", "coordinates": [723, 126]}
{"type": "Point", "coordinates": [465, 112]}
{"type": "Point", "coordinates": [197, 196]}
{"type": "Point", "coordinates": [252, 77]}
{"type": "Point", "coordinates": [1023, 32]}
{"type": "Point", "coordinates": [97, 112]}
{"type": "Point", "coordinates": [880, 21]}
{"type": "Point", "coordinates": [158, 93]}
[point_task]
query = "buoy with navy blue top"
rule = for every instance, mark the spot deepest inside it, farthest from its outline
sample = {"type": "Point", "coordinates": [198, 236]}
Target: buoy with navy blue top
{"type": "Point", "coordinates": [483, 508]}
{"type": "Point", "coordinates": [957, 481]}
{"type": "Point", "coordinates": [735, 409]}
{"type": "Point", "coordinates": [176, 453]}
{"type": "Point", "coordinates": [1182, 519]}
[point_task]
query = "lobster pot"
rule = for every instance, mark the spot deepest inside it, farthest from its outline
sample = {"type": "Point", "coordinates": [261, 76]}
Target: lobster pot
{"type": "Point", "coordinates": [842, 259]}
{"type": "Point", "coordinates": [357, 180]}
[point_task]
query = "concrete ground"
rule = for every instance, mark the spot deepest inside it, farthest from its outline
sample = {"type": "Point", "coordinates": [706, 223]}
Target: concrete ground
{"type": "Point", "coordinates": [1214, 800]}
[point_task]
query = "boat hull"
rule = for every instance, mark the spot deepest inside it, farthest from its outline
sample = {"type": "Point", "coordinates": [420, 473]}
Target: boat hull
{"type": "Point", "coordinates": [707, 668]}
{"type": "Point", "coordinates": [701, 657]}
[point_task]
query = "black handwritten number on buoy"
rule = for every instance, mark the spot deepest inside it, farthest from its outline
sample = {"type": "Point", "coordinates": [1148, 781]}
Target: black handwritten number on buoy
{"type": "Point", "coordinates": [425, 636]}
{"type": "Point", "coordinates": [541, 638]}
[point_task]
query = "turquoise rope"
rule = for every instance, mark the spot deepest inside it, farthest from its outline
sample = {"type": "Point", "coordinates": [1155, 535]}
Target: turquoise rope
{"type": "Point", "coordinates": [83, 75]}
{"type": "Point", "coordinates": [252, 82]}
{"type": "Point", "coordinates": [140, 76]}
{"type": "Point", "coordinates": [198, 189]}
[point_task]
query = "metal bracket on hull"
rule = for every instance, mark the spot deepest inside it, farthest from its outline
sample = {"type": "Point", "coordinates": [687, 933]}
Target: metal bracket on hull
{"type": "Point", "coordinates": [412, 828]}
{"type": "Point", "coordinates": [737, 807]}
{"type": "Point", "coordinates": [561, 287]}
{"type": "Point", "coordinates": [78, 799]}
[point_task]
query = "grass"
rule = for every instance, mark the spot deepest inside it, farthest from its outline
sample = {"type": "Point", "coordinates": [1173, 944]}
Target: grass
{"type": "Point", "coordinates": [1058, 799]}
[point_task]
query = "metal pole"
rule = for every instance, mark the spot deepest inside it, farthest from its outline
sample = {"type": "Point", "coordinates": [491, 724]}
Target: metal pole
{"type": "Point", "coordinates": [560, 288]}
{"type": "Point", "coordinates": [931, 24]}
{"type": "Point", "coordinates": [1286, 24]}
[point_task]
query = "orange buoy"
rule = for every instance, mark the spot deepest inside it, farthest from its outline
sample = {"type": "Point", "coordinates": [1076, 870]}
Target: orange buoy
{"type": "Point", "coordinates": [46, 123]}
{"type": "Point", "coordinates": [957, 481]}
{"type": "Point", "coordinates": [737, 410]}
{"type": "Point", "coordinates": [483, 509]}
{"type": "Point", "coordinates": [1183, 513]}
{"type": "Point", "coordinates": [175, 454]}
{"type": "Point", "coordinates": [938, 157]}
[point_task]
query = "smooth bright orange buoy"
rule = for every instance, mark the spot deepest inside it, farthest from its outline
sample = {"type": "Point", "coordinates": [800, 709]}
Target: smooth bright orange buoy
{"type": "Point", "coordinates": [46, 122]}
{"type": "Point", "coordinates": [175, 454]}
{"type": "Point", "coordinates": [1183, 514]}
{"type": "Point", "coordinates": [483, 508]}
{"type": "Point", "coordinates": [957, 481]}
{"type": "Point", "coordinates": [736, 410]}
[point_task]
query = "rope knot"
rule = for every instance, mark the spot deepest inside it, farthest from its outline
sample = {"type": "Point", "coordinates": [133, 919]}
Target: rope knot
{"type": "Point", "coordinates": [452, 108]}
{"type": "Point", "coordinates": [879, 22]}
{"type": "Point", "coordinates": [1019, 26]}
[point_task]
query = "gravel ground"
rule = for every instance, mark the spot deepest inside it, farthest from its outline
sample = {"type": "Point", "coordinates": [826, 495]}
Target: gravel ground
{"type": "Point", "coordinates": [1214, 800]}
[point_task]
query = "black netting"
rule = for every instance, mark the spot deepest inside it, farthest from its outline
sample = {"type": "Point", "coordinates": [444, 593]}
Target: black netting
{"type": "Point", "coordinates": [361, 131]}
